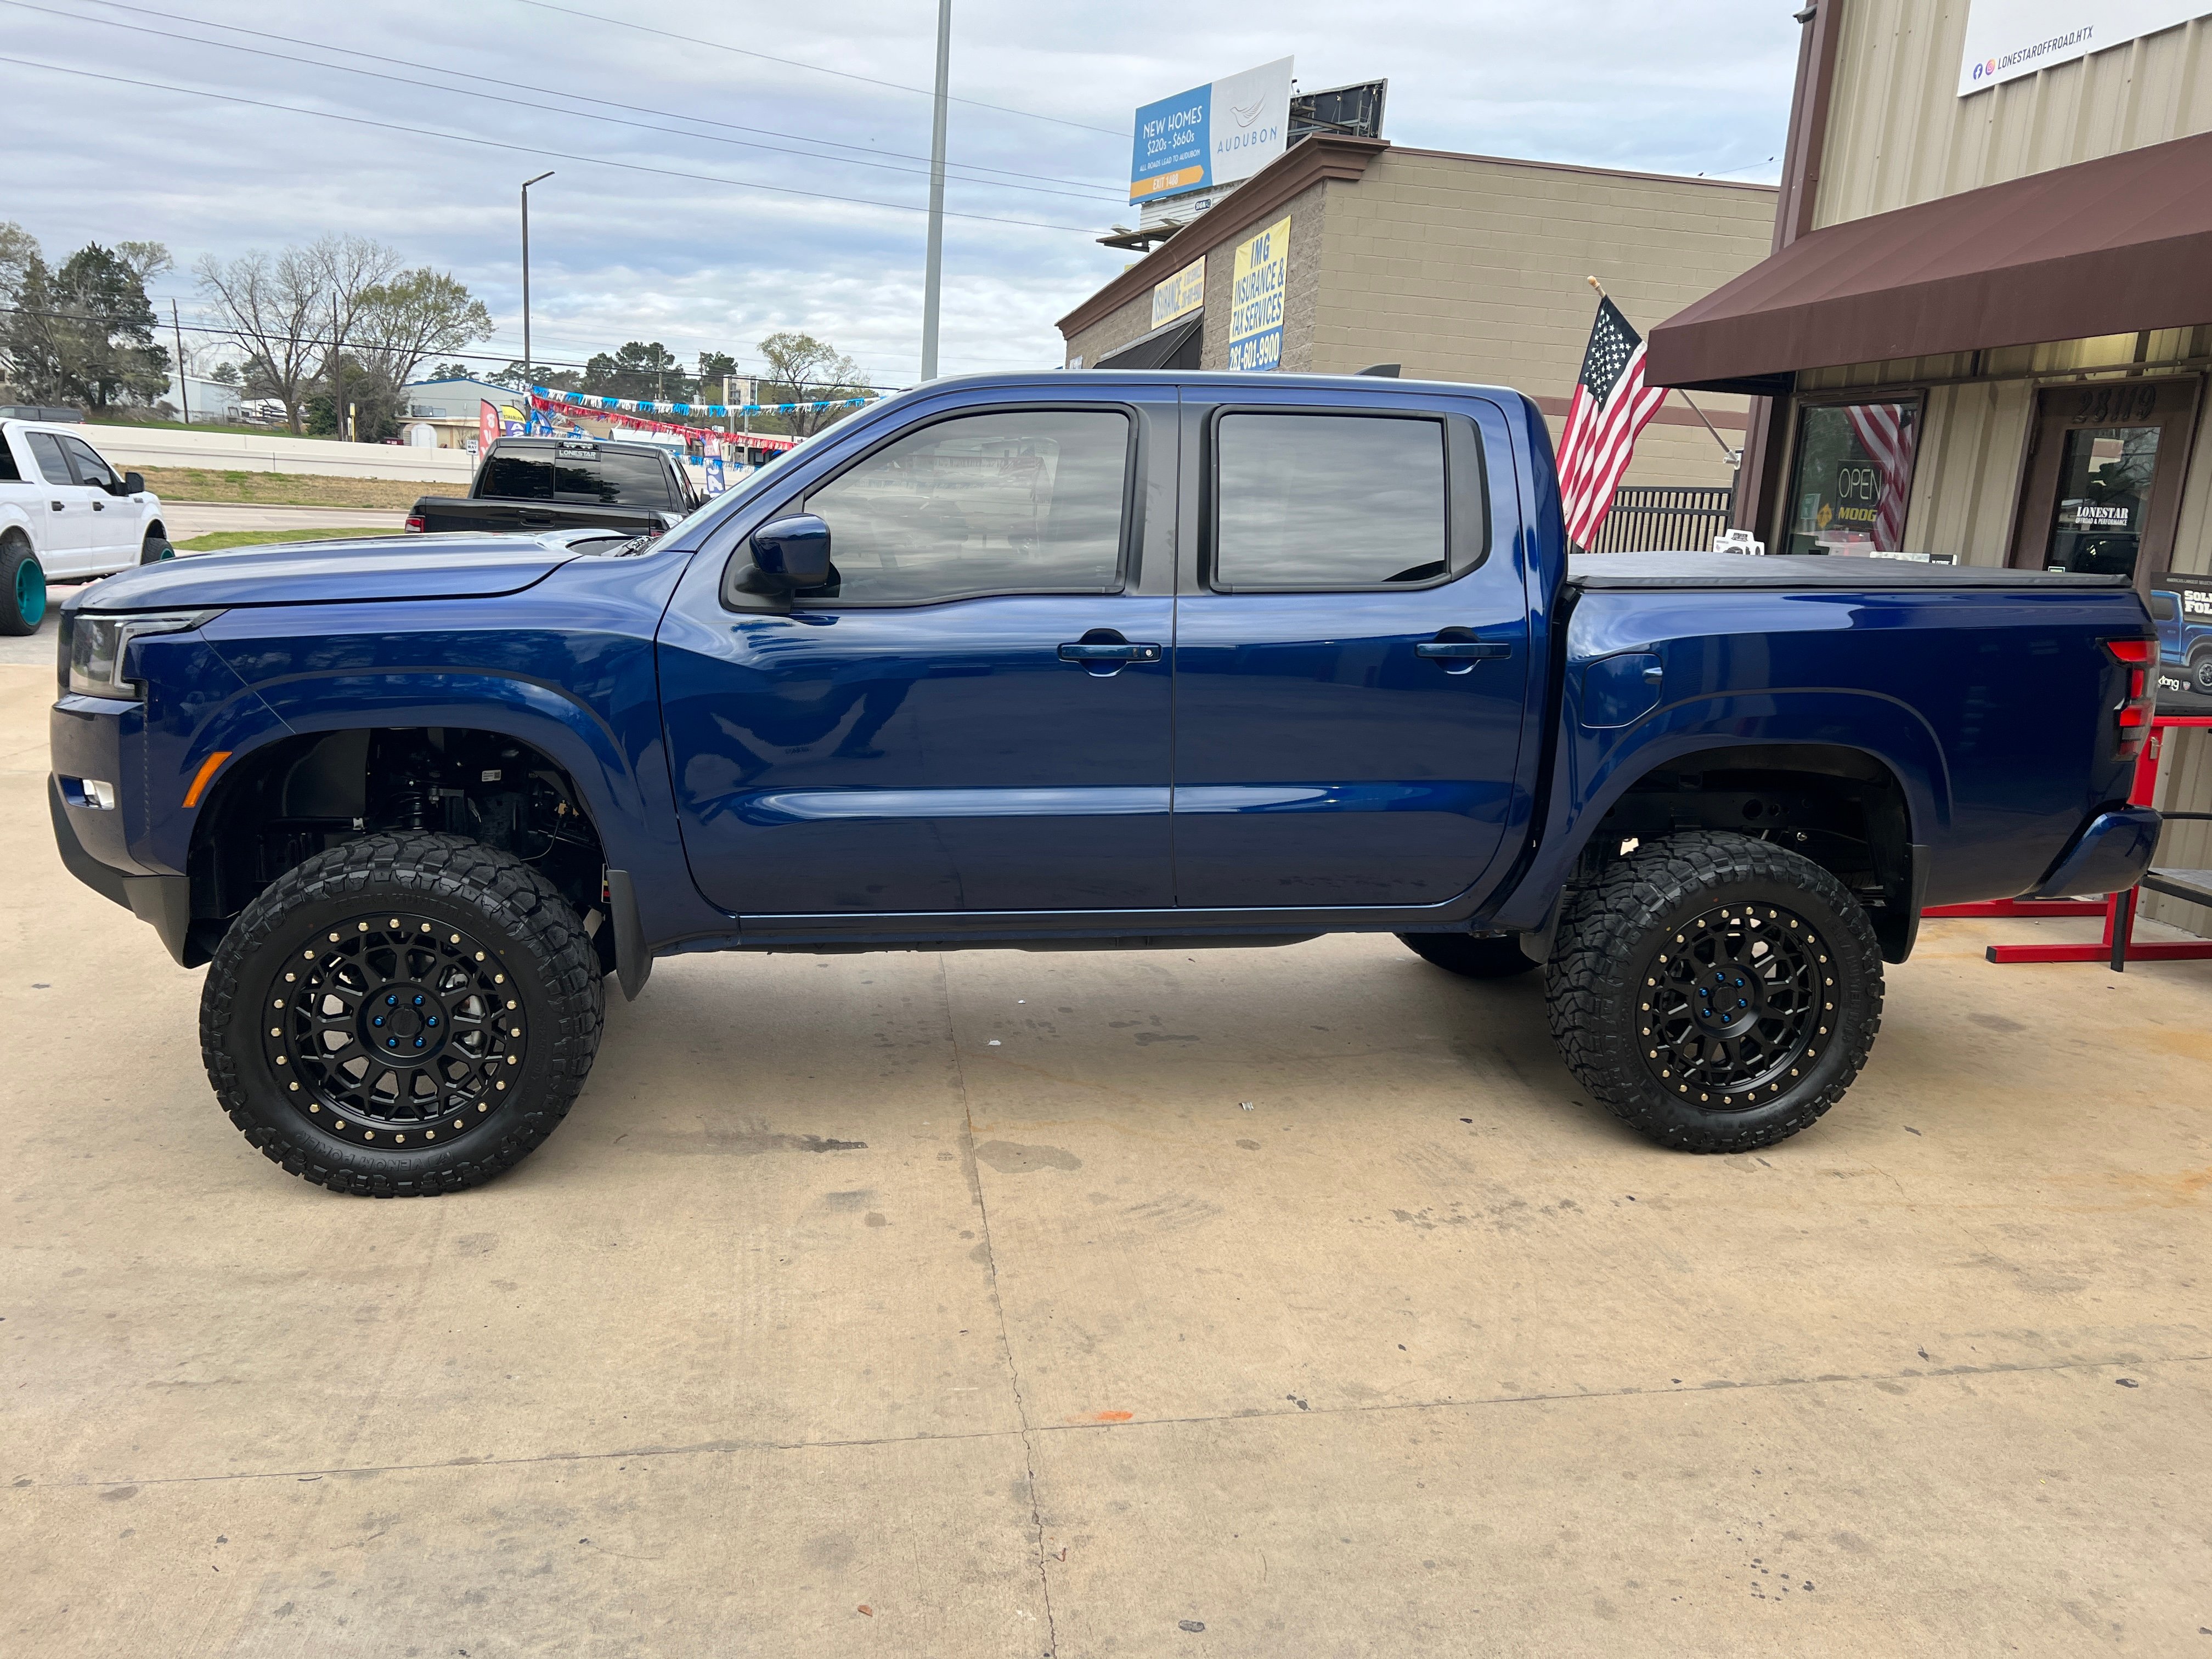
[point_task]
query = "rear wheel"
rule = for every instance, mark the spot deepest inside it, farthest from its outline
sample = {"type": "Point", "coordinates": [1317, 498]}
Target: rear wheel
{"type": "Point", "coordinates": [1715, 991]}
{"type": "Point", "coordinates": [406, 1015]}
{"type": "Point", "coordinates": [22, 587]}
{"type": "Point", "coordinates": [1468, 957]}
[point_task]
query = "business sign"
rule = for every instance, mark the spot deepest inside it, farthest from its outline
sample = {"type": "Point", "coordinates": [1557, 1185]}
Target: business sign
{"type": "Point", "coordinates": [1255, 298]}
{"type": "Point", "coordinates": [1181, 295]}
{"type": "Point", "coordinates": [1215, 134]}
{"type": "Point", "coordinates": [2007, 38]}
{"type": "Point", "coordinates": [2181, 610]}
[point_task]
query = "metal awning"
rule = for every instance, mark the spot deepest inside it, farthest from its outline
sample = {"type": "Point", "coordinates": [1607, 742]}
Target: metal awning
{"type": "Point", "coordinates": [2109, 247]}
{"type": "Point", "coordinates": [1160, 348]}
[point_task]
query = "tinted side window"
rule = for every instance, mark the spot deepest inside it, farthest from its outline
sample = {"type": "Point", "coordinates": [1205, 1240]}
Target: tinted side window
{"type": "Point", "coordinates": [1329, 500]}
{"type": "Point", "coordinates": [53, 461]}
{"type": "Point", "coordinates": [614, 479]}
{"type": "Point", "coordinates": [2163, 608]}
{"type": "Point", "coordinates": [518, 477]}
{"type": "Point", "coordinates": [1017, 501]}
{"type": "Point", "coordinates": [90, 468]}
{"type": "Point", "coordinates": [9, 472]}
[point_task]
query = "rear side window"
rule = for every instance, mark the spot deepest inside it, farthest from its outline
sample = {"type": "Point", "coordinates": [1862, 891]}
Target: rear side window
{"type": "Point", "coordinates": [1024, 501]}
{"type": "Point", "coordinates": [2163, 607]}
{"type": "Point", "coordinates": [53, 461]}
{"type": "Point", "coordinates": [517, 477]}
{"type": "Point", "coordinates": [612, 479]}
{"type": "Point", "coordinates": [1322, 501]}
{"type": "Point", "coordinates": [90, 468]}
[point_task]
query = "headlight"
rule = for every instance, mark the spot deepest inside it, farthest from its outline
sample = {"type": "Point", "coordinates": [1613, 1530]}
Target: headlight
{"type": "Point", "coordinates": [94, 647]}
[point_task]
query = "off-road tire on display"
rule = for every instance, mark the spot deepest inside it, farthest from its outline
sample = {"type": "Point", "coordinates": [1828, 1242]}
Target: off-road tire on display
{"type": "Point", "coordinates": [22, 587]}
{"type": "Point", "coordinates": [378, 995]}
{"type": "Point", "coordinates": [2200, 671]}
{"type": "Point", "coordinates": [1715, 991]}
{"type": "Point", "coordinates": [1468, 957]}
{"type": "Point", "coordinates": [156, 548]}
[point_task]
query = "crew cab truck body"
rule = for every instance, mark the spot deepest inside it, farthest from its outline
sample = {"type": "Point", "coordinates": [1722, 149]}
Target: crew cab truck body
{"type": "Point", "coordinates": [532, 484]}
{"type": "Point", "coordinates": [1064, 661]}
{"type": "Point", "coordinates": [65, 515]}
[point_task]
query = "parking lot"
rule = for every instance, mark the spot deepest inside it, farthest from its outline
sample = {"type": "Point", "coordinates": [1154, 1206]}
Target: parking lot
{"type": "Point", "coordinates": [1241, 1302]}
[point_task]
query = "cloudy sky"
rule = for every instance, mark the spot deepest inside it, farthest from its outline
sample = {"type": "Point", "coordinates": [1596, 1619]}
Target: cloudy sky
{"type": "Point", "coordinates": [668, 124]}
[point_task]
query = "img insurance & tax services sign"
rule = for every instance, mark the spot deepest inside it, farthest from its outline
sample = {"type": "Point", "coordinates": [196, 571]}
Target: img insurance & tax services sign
{"type": "Point", "coordinates": [1255, 298]}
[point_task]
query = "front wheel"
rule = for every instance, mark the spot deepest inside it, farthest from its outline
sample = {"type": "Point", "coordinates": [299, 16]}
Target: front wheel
{"type": "Point", "coordinates": [156, 548]}
{"type": "Point", "coordinates": [22, 588]}
{"type": "Point", "coordinates": [403, 1016]}
{"type": "Point", "coordinates": [1715, 991]}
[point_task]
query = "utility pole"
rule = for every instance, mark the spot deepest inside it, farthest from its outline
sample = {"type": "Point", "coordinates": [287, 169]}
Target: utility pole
{"type": "Point", "coordinates": [337, 373]}
{"type": "Point", "coordinates": [529, 362]}
{"type": "Point", "coordinates": [184, 372]}
{"type": "Point", "coordinates": [933, 280]}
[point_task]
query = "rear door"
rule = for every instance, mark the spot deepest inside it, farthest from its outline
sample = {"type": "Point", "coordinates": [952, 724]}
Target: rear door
{"type": "Point", "coordinates": [63, 508]}
{"type": "Point", "coordinates": [1352, 669]}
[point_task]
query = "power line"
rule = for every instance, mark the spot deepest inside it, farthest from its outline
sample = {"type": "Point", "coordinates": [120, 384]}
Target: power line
{"type": "Point", "coordinates": [794, 63]}
{"type": "Point", "coordinates": [1098, 192]}
{"type": "Point", "coordinates": [531, 149]}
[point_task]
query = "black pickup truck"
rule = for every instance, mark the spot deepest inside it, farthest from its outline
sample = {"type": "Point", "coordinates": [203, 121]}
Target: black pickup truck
{"type": "Point", "coordinates": [565, 484]}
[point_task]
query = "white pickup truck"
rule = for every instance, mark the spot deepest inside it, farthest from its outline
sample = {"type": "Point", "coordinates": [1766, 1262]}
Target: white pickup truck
{"type": "Point", "coordinates": [65, 515]}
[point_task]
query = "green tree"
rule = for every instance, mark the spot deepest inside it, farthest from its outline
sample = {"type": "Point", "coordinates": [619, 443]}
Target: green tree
{"type": "Point", "coordinates": [399, 322]}
{"type": "Point", "coordinates": [641, 369]}
{"type": "Point", "coordinates": [84, 333]}
{"type": "Point", "coordinates": [803, 369]}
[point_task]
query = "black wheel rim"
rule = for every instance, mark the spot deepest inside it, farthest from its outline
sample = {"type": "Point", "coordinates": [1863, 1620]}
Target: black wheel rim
{"type": "Point", "coordinates": [394, 1031]}
{"type": "Point", "coordinates": [1737, 1007]}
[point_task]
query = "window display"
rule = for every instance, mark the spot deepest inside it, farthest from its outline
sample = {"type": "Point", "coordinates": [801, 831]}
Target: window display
{"type": "Point", "coordinates": [1853, 478]}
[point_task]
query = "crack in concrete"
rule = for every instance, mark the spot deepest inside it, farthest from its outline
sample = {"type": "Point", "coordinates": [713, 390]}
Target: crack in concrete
{"type": "Point", "coordinates": [723, 1447]}
{"type": "Point", "coordinates": [967, 1163]}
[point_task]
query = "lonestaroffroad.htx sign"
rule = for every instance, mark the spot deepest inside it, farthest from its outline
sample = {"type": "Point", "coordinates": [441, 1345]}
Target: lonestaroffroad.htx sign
{"type": "Point", "coordinates": [2007, 39]}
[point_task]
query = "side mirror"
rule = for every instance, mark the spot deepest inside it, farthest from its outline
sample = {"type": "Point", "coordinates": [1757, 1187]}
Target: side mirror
{"type": "Point", "coordinates": [134, 483]}
{"type": "Point", "coordinates": [787, 554]}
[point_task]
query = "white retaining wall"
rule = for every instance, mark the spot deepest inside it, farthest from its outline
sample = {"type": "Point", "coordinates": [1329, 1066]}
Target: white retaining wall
{"type": "Point", "coordinates": [125, 447]}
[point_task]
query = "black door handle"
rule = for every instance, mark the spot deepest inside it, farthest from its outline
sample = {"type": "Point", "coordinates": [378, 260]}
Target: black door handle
{"type": "Point", "coordinates": [1461, 648]}
{"type": "Point", "coordinates": [58, 505]}
{"type": "Point", "coordinates": [1122, 650]}
{"type": "Point", "coordinates": [99, 507]}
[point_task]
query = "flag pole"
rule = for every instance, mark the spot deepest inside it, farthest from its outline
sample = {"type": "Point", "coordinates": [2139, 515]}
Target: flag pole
{"type": "Point", "coordinates": [1731, 454]}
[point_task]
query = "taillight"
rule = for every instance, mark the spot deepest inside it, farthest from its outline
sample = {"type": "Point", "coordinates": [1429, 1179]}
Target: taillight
{"type": "Point", "coordinates": [2134, 713]}
{"type": "Point", "coordinates": [415, 523]}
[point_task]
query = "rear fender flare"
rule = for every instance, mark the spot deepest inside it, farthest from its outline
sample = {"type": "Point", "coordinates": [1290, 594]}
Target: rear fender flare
{"type": "Point", "coordinates": [1594, 769]}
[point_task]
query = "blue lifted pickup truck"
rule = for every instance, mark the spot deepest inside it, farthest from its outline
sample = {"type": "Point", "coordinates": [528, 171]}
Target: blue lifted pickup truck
{"type": "Point", "coordinates": [1055, 661]}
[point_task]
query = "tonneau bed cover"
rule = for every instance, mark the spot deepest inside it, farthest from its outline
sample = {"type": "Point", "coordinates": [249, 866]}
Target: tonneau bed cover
{"type": "Point", "coordinates": [1807, 570]}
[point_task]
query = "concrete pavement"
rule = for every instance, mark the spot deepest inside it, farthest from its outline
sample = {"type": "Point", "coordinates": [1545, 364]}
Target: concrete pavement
{"type": "Point", "coordinates": [1218, 1303]}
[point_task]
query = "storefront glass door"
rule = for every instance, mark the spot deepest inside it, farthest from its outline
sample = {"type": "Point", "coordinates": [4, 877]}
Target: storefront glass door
{"type": "Point", "coordinates": [2103, 477]}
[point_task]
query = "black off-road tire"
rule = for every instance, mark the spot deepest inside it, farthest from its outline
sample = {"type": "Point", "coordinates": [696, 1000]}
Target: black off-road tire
{"type": "Point", "coordinates": [1468, 957]}
{"type": "Point", "coordinates": [156, 548]}
{"type": "Point", "coordinates": [388, 886]}
{"type": "Point", "coordinates": [1619, 946]}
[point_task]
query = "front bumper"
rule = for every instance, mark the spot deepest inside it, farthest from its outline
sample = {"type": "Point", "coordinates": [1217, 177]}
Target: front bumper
{"type": "Point", "coordinates": [2109, 856]}
{"type": "Point", "coordinates": [165, 902]}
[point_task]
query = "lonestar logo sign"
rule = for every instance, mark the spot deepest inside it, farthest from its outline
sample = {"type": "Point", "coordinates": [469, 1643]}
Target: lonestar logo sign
{"type": "Point", "coordinates": [2007, 38]}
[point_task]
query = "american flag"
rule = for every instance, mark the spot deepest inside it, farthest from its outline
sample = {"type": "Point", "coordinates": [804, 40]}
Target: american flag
{"type": "Point", "coordinates": [1611, 405]}
{"type": "Point", "coordinates": [1884, 432]}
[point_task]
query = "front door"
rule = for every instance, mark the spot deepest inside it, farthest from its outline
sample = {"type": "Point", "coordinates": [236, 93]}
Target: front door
{"type": "Point", "coordinates": [2104, 476]}
{"type": "Point", "coordinates": [974, 716]}
{"type": "Point", "coordinates": [63, 507]}
{"type": "Point", "coordinates": [1352, 660]}
{"type": "Point", "coordinates": [114, 539]}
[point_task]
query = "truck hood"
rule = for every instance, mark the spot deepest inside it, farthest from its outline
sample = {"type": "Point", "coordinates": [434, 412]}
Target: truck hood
{"type": "Point", "coordinates": [455, 566]}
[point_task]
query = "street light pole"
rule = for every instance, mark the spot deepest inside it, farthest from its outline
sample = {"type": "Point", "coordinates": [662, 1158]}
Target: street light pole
{"type": "Point", "coordinates": [529, 363]}
{"type": "Point", "coordinates": [933, 280]}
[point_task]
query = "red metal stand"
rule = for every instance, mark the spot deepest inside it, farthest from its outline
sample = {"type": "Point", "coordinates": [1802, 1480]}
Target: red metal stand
{"type": "Point", "coordinates": [2118, 947]}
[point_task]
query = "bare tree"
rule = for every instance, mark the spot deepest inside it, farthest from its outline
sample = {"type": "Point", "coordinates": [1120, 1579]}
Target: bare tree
{"type": "Point", "coordinates": [278, 311]}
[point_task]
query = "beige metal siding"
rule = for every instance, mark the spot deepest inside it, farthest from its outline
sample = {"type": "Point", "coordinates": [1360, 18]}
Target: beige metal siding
{"type": "Point", "coordinates": [1899, 133]}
